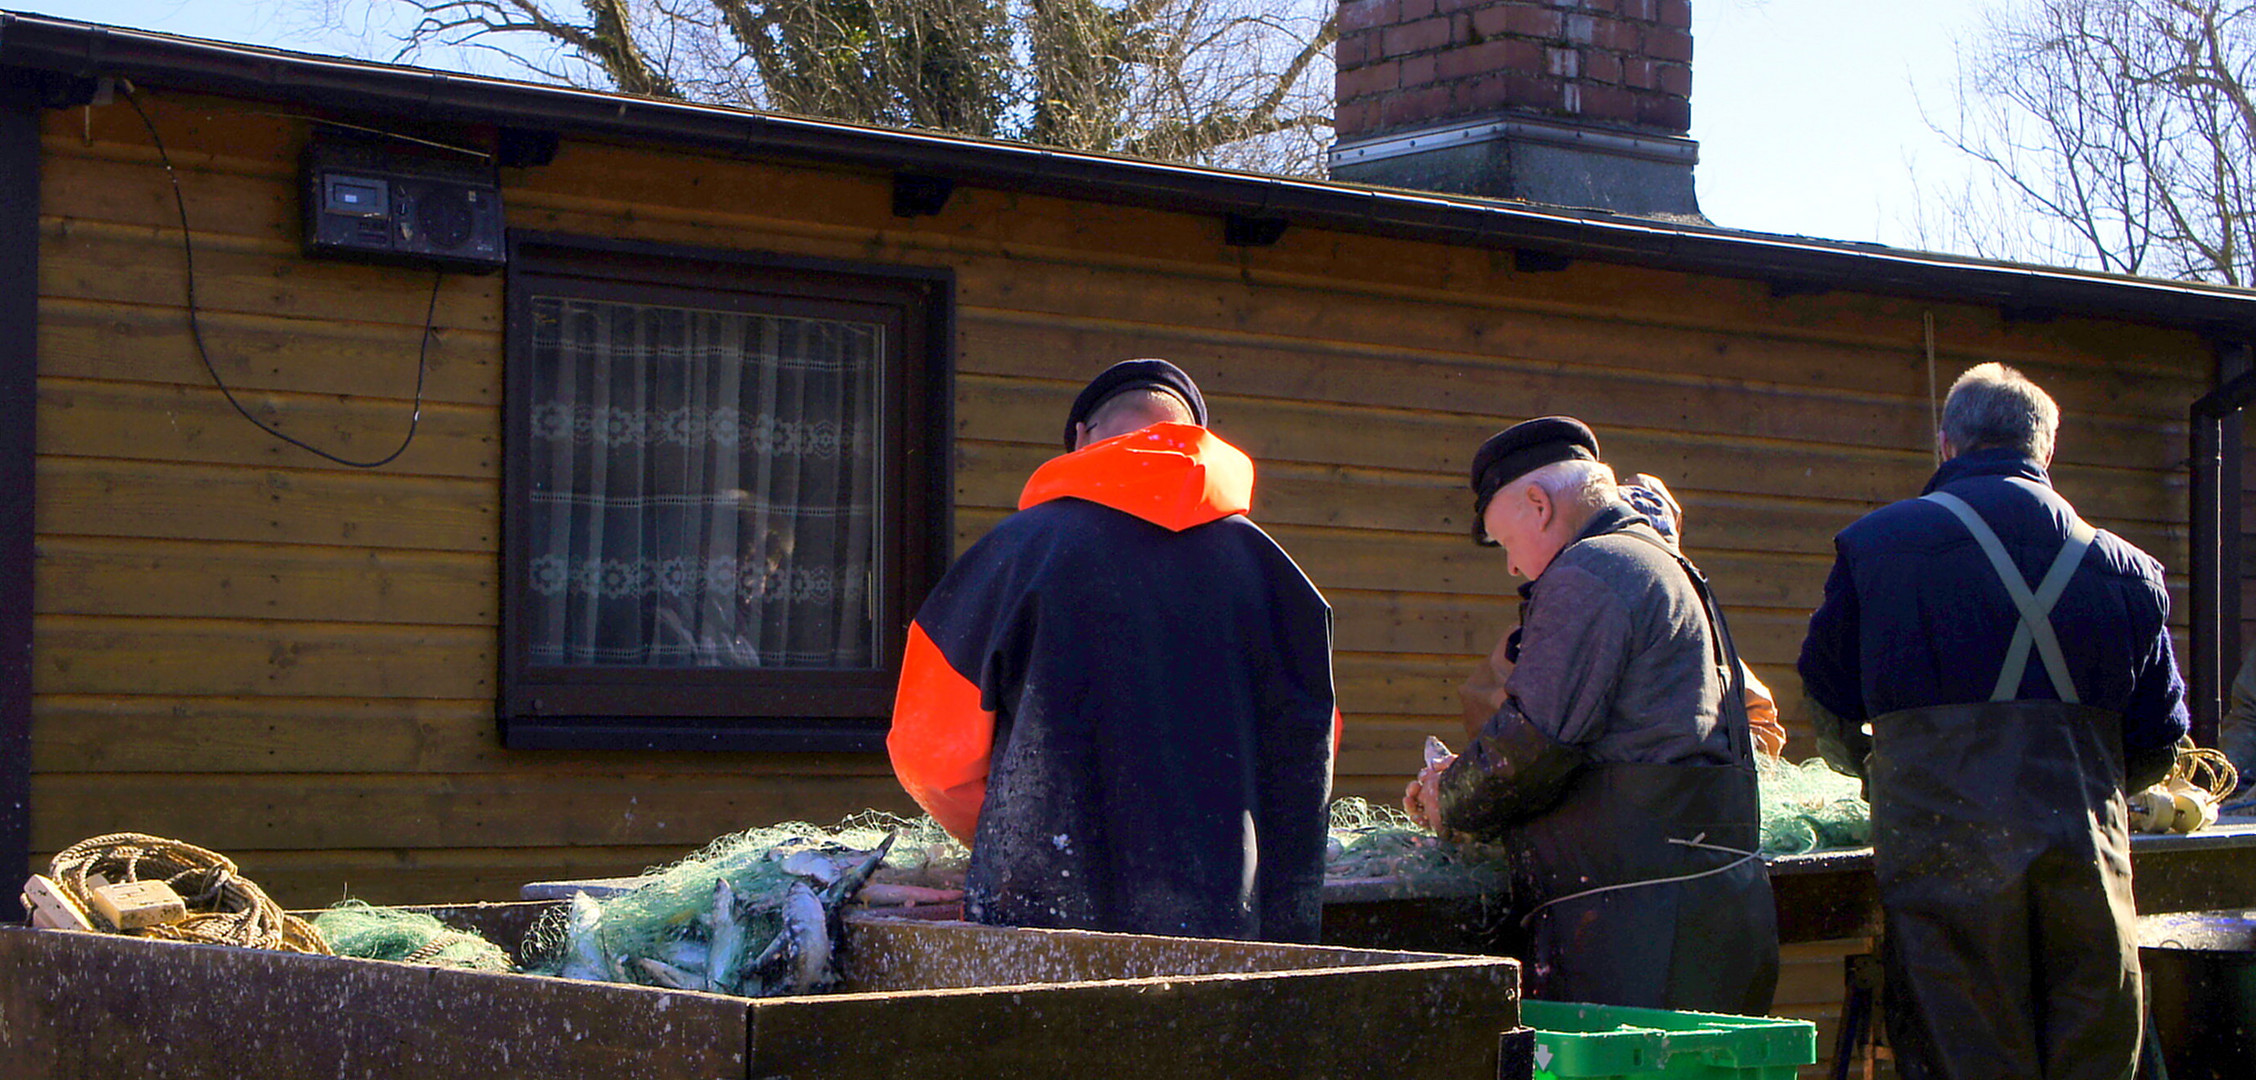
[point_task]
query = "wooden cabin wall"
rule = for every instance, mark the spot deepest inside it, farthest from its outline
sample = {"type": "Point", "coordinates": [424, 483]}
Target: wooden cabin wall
{"type": "Point", "coordinates": [243, 646]}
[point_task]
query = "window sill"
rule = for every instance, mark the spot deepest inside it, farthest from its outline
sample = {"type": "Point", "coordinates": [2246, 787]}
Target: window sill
{"type": "Point", "coordinates": [777, 736]}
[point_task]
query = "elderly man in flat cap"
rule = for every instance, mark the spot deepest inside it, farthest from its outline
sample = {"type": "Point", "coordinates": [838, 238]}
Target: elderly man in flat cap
{"type": "Point", "coordinates": [1121, 696]}
{"type": "Point", "coordinates": [1483, 693]}
{"type": "Point", "coordinates": [1618, 773]}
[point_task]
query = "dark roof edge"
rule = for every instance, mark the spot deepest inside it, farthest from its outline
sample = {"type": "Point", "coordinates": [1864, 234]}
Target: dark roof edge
{"type": "Point", "coordinates": [67, 47]}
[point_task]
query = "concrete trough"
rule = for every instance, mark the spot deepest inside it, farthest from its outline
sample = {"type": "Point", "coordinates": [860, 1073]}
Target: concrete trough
{"type": "Point", "coordinates": [933, 1000]}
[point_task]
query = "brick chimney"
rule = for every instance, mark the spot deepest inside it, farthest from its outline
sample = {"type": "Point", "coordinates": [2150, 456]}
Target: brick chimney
{"type": "Point", "coordinates": [1579, 103]}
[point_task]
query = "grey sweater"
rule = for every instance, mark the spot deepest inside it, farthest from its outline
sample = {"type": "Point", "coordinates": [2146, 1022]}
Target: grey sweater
{"type": "Point", "coordinates": [1616, 655]}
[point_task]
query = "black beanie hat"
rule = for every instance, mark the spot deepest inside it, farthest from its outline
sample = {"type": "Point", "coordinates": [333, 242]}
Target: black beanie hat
{"type": "Point", "coordinates": [1521, 449]}
{"type": "Point", "coordinates": [1129, 375]}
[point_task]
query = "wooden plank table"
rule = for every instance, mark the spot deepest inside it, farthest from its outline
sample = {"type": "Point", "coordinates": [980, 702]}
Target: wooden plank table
{"type": "Point", "coordinates": [1822, 896]}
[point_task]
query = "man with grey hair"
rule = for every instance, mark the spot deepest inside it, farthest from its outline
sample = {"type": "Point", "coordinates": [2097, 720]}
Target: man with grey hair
{"type": "Point", "coordinates": [1618, 770]}
{"type": "Point", "coordinates": [2000, 674]}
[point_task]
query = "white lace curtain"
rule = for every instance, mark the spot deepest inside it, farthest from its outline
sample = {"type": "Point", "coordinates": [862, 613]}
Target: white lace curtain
{"type": "Point", "coordinates": [704, 487]}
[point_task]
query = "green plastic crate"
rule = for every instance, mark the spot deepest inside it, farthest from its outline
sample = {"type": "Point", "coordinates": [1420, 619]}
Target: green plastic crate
{"type": "Point", "coordinates": [1585, 1042]}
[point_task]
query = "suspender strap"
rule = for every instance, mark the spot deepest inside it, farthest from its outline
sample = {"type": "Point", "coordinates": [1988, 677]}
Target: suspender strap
{"type": "Point", "coordinates": [1741, 735]}
{"type": "Point", "coordinates": [2036, 608]}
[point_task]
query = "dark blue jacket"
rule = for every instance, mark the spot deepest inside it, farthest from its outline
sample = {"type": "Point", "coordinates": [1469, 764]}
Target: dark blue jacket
{"type": "Point", "coordinates": [1121, 698]}
{"type": "Point", "coordinates": [1915, 616]}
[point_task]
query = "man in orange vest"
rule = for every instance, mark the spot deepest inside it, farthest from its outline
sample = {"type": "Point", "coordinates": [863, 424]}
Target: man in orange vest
{"type": "Point", "coordinates": [1121, 696]}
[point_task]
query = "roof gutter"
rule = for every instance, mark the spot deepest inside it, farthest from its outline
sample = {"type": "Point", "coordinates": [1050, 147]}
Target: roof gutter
{"type": "Point", "coordinates": [85, 50]}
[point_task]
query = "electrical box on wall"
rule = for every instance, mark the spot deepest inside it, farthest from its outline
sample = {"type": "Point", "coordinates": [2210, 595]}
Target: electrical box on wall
{"type": "Point", "coordinates": [371, 201]}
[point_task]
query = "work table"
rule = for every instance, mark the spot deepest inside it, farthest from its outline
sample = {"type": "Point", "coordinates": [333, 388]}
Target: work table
{"type": "Point", "coordinates": [1831, 894]}
{"type": "Point", "coordinates": [1822, 895]}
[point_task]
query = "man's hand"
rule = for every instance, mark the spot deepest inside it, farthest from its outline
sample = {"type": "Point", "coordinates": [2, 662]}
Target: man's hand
{"type": "Point", "coordinates": [1422, 798]}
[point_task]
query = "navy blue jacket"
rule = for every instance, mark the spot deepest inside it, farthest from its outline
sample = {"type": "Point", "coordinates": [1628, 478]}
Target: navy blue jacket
{"type": "Point", "coordinates": [1915, 616]}
{"type": "Point", "coordinates": [1121, 698]}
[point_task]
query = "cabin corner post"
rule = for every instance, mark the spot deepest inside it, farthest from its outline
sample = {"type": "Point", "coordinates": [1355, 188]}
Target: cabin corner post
{"type": "Point", "coordinates": [2213, 536]}
{"type": "Point", "coordinates": [2233, 361]}
{"type": "Point", "coordinates": [20, 108]}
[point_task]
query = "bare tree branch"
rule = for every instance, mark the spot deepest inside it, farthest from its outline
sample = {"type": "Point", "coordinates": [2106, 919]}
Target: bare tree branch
{"type": "Point", "coordinates": [1245, 83]}
{"type": "Point", "coordinates": [2129, 125]}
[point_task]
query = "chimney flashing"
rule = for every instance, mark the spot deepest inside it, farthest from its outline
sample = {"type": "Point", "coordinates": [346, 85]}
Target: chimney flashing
{"type": "Point", "coordinates": [1534, 160]}
{"type": "Point", "coordinates": [1641, 146]}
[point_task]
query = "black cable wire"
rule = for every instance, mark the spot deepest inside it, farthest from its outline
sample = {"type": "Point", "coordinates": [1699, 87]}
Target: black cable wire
{"type": "Point", "coordinates": [196, 332]}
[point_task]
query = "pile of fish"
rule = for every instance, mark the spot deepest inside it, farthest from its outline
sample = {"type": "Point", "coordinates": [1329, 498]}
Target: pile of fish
{"type": "Point", "coordinates": [752, 923]}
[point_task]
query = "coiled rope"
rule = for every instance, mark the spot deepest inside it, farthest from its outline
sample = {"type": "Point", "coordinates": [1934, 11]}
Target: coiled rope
{"type": "Point", "coordinates": [224, 907]}
{"type": "Point", "coordinates": [2206, 769]}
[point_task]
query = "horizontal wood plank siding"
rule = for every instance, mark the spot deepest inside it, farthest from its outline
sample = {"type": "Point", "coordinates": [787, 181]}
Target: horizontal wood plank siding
{"type": "Point", "coordinates": [246, 647]}
{"type": "Point", "coordinates": [1811, 986]}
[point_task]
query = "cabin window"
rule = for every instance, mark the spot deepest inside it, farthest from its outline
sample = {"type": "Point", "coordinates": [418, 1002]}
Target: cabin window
{"type": "Point", "coordinates": [726, 494]}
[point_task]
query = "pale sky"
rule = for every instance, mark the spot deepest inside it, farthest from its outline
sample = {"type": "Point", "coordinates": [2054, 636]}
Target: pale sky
{"type": "Point", "coordinates": [1807, 111]}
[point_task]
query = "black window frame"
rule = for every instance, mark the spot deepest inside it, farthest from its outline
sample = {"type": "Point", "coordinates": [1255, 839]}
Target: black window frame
{"type": "Point", "coordinates": [594, 708]}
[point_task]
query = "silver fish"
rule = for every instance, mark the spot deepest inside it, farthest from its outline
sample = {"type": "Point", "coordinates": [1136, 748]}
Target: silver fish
{"type": "Point", "coordinates": [688, 954]}
{"type": "Point", "coordinates": [852, 881]}
{"type": "Point", "coordinates": [583, 958]}
{"type": "Point", "coordinates": [726, 950]}
{"type": "Point", "coordinates": [812, 865]}
{"type": "Point", "coordinates": [670, 975]}
{"type": "Point", "coordinates": [1436, 750]}
{"type": "Point", "coordinates": [807, 924]}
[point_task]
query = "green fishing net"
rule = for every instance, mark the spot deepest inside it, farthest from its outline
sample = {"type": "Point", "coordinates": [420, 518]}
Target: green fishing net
{"type": "Point", "coordinates": [1806, 807]}
{"type": "Point", "coordinates": [1375, 841]}
{"type": "Point", "coordinates": [763, 934]}
{"type": "Point", "coordinates": [755, 913]}
{"type": "Point", "coordinates": [1809, 807]}
{"type": "Point", "coordinates": [752, 913]}
{"type": "Point", "coordinates": [375, 933]}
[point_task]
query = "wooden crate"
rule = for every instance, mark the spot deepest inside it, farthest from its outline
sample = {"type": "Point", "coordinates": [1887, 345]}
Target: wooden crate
{"type": "Point", "coordinates": [929, 1000]}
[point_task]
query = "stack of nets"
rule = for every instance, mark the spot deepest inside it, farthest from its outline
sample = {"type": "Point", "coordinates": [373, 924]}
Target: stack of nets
{"type": "Point", "coordinates": [754, 913]}
{"type": "Point", "coordinates": [1373, 841]}
{"type": "Point", "coordinates": [375, 933]}
{"type": "Point", "coordinates": [1809, 807]}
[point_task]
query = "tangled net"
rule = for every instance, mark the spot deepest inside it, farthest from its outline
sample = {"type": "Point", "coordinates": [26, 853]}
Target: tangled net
{"type": "Point", "coordinates": [1375, 841]}
{"type": "Point", "coordinates": [753, 913]}
{"type": "Point", "coordinates": [355, 929]}
{"type": "Point", "coordinates": [224, 908]}
{"type": "Point", "coordinates": [1809, 807]}
{"type": "Point", "coordinates": [1805, 808]}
